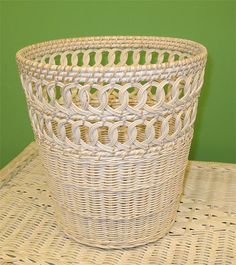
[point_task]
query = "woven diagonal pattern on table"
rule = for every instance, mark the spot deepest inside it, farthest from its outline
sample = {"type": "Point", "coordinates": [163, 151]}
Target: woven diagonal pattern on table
{"type": "Point", "coordinates": [114, 120]}
{"type": "Point", "coordinates": [204, 232]}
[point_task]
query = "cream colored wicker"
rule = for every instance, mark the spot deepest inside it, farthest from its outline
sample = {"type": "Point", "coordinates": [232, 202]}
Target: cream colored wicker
{"type": "Point", "coordinates": [114, 118]}
{"type": "Point", "coordinates": [204, 232]}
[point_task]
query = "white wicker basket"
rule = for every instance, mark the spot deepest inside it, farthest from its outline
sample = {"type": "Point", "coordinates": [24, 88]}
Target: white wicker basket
{"type": "Point", "coordinates": [114, 117]}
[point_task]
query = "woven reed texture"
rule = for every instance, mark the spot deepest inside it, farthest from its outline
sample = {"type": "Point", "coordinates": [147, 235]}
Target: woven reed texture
{"type": "Point", "coordinates": [114, 119]}
{"type": "Point", "coordinates": [204, 231]}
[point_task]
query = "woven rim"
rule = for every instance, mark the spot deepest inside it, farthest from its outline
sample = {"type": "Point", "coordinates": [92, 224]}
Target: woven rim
{"type": "Point", "coordinates": [199, 55]}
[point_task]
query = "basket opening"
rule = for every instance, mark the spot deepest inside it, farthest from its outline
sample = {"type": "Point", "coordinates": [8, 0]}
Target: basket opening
{"type": "Point", "coordinates": [110, 58]}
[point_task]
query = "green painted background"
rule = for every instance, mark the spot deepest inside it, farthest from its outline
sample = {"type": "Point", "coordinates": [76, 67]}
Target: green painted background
{"type": "Point", "coordinates": [210, 22]}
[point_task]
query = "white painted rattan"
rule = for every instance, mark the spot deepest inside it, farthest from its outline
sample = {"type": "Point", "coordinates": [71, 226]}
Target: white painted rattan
{"type": "Point", "coordinates": [204, 231]}
{"type": "Point", "coordinates": [114, 119]}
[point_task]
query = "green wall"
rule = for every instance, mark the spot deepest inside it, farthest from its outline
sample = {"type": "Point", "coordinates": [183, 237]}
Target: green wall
{"type": "Point", "coordinates": [210, 22]}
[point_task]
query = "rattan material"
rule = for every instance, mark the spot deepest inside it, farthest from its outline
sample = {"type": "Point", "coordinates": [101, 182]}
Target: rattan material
{"type": "Point", "coordinates": [204, 231]}
{"type": "Point", "coordinates": [114, 119]}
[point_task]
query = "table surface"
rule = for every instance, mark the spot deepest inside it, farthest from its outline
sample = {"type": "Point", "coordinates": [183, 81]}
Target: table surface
{"type": "Point", "coordinates": [204, 232]}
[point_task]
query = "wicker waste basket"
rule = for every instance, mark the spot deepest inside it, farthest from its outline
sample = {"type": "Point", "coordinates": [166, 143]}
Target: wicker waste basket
{"type": "Point", "coordinates": [113, 117]}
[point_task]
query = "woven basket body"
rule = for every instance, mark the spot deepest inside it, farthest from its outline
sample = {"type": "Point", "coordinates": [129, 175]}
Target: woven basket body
{"type": "Point", "coordinates": [113, 117]}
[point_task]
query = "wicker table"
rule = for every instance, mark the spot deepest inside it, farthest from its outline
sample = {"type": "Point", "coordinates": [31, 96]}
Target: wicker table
{"type": "Point", "coordinates": [204, 232]}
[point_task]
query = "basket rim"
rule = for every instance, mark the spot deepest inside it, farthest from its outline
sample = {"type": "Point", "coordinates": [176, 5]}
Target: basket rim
{"type": "Point", "coordinates": [200, 56]}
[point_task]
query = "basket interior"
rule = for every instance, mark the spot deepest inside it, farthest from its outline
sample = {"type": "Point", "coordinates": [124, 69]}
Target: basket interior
{"type": "Point", "coordinates": [112, 57]}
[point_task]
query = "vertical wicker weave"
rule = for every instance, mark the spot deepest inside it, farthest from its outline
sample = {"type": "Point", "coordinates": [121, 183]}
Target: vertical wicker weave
{"type": "Point", "coordinates": [114, 117]}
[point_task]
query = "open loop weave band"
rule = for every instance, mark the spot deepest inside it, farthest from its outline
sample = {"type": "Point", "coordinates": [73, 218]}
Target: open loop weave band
{"type": "Point", "coordinates": [114, 119]}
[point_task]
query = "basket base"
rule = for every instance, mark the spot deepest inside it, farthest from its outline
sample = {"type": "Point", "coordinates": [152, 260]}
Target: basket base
{"type": "Point", "coordinates": [109, 245]}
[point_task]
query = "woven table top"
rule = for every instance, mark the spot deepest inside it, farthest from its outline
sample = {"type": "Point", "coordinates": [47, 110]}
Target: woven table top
{"type": "Point", "coordinates": [204, 232]}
